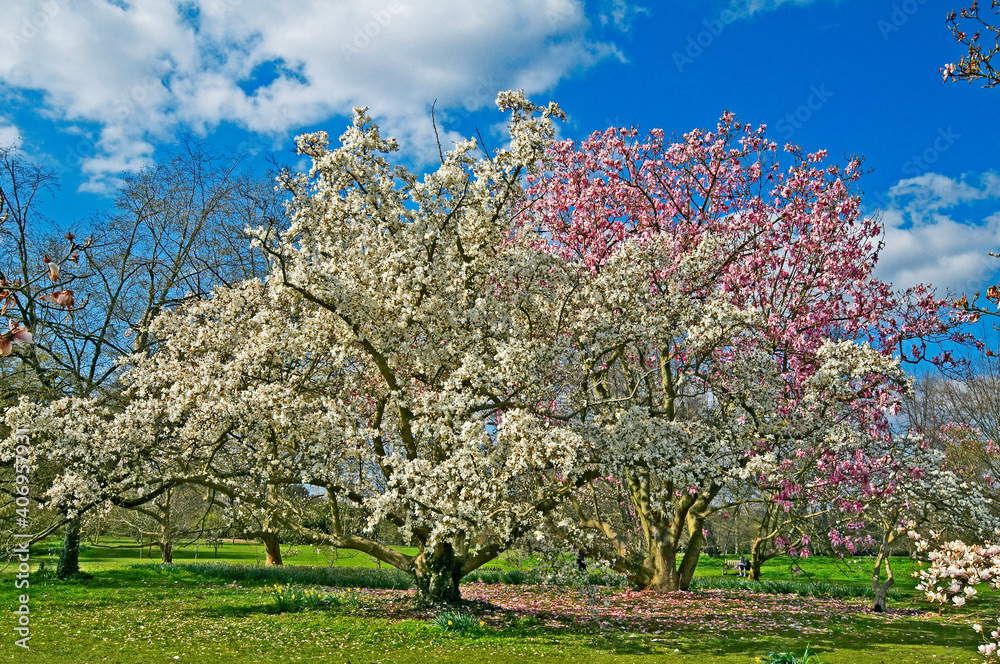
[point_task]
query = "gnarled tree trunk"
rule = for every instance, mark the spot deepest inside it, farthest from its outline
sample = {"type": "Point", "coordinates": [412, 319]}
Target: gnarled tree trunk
{"type": "Point", "coordinates": [69, 558]}
{"type": "Point", "coordinates": [881, 588]}
{"type": "Point", "coordinates": [662, 563]}
{"type": "Point", "coordinates": [166, 551]}
{"type": "Point", "coordinates": [438, 572]}
{"type": "Point", "coordinates": [664, 537]}
{"type": "Point", "coordinates": [696, 540]}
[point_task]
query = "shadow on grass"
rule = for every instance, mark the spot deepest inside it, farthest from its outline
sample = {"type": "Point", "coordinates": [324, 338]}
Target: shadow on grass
{"type": "Point", "coordinates": [906, 651]}
{"type": "Point", "coordinates": [246, 611]}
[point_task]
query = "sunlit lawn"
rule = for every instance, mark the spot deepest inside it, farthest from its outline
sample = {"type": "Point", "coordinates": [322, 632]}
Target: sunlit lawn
{"type": "Point", "coordinates": [112, 553]}
{"type": "Point", "coordinates": [155, 614]}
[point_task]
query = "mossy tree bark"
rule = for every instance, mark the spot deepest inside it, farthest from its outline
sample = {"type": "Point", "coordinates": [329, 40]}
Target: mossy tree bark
{"type": "Point", "coordinates": [69, 558]}
{"type": "Point", "coordinates": [438, 572]}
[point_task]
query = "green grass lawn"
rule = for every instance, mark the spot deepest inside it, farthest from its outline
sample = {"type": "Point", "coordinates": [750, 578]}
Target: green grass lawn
{"type": "Point", "coordinates": [112, 553]}
{"type": "Point", "coordinates": [151, 613]}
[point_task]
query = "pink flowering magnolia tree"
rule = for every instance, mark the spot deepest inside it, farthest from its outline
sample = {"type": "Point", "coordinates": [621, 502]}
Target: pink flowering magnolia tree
{"type": "Point", "coordinates": [730, 320]}
{"type": "Point", "coordinates": [906, 488]}
{"type": "Point", "coordinates": [863, 498]}
{"type": "Point", "coordinates": [784, 521]}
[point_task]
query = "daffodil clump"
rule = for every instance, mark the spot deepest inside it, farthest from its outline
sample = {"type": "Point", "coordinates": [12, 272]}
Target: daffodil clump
{"type": "Point", "coordinates": [453, 621]}
{"type": "Point", "coordinates": [788, 658]}
{"type": "Point", "coordinates": [290, 599]}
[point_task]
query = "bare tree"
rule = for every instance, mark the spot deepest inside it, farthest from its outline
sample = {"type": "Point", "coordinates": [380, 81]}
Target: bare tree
{"type": "Point", "coordinates": [175, 231]}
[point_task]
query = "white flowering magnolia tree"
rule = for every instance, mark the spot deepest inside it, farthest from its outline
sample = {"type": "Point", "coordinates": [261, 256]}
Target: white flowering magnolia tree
{"type": "Point", "coordinates": [404, 355]}
{"type": "Point", "coordinates": [956, 573]}
{"type": "Point", "coordinates": [173, 231]}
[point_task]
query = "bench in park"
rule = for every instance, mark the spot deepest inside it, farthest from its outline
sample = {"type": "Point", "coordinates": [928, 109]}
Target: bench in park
{"type": "Point", "coordinates": [730, 566]}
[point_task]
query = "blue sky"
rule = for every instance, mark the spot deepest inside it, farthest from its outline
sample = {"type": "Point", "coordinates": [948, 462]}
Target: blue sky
{"type": "Point", "coordinates": [98, 88]}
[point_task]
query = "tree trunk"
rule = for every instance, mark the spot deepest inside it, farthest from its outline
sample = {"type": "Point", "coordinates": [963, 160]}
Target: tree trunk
{"type": "Point", "coordinates": [69, 558]}
{"type": "Point", "coordinates": [692, 555]}
{"type": "Point", "coordinates": [756, 559]}
{"type": "Point", "coordinates": [166, 542]}
{"type": "Point", "coordinates": [272, 547]}
{"type": "Point", "coordinates": [881, 589]}
{"type": "Point", "coordinates": [695, 521]}
{"type": "Point", "coordinates": [663, 562]}
{"type": "Point", "coordinates": [166, 551]}
{"type": "Point", "coordinates": [437, 574]}
{"type": "Point", "coordinates": [664, 539]}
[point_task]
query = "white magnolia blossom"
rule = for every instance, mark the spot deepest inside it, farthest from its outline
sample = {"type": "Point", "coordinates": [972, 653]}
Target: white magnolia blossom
{"type": "Point", "coordinates": [404, 355]}
{"type": "Point", "coordinates": [956, 569]}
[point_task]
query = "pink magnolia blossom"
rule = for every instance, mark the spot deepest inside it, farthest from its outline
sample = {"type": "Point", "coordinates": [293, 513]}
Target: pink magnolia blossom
{"type": "Point", "coordinates": [63, 298]}
{"type": "Point", "coordinates": [53, 268]}
{"type": "Point", "coordinates": [16, 334]}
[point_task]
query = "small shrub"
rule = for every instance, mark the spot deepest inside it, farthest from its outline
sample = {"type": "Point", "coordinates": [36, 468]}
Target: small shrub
{"type": "Point", "coordinates": [789, 658]}
{"type": "Point", "coordinates": [453, 621]}
{"type": "Point", "coordinates": [488, 576]}
{"type": "Point", "coordinates": [515, 577]}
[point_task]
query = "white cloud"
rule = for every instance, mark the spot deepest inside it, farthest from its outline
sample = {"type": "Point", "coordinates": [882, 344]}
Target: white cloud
{"type": "Point", "coordinates": [620, 14]}
{"type": "Point", "coordinates": [9, 134]}
{"type": "Point", "coordinates": [747, 8]}
{"type": "Point", "coordinates": [130, 73]}
{"type": "Point", "coordinates": [932, 191]}
{"type": "Point", "coordinates": [926, 241]}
